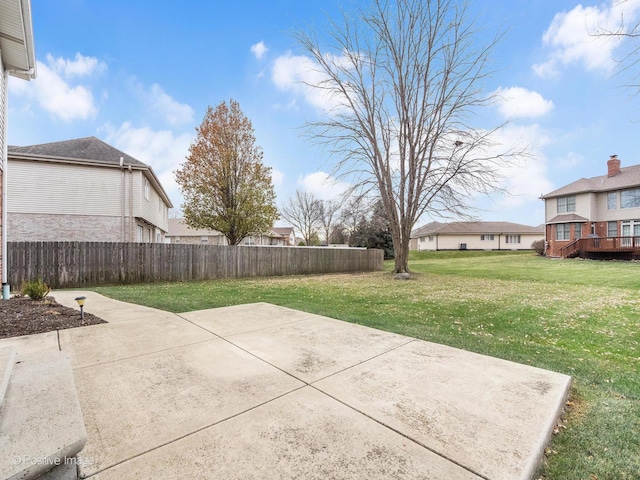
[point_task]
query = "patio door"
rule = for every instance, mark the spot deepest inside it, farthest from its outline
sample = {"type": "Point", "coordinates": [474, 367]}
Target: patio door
{"type": "Point", "coordinates": [631, 233]}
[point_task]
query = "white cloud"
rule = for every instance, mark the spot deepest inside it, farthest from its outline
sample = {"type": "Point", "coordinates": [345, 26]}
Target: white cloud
{"type": "Point", "coordinates": [172, 111]}
{"type": "Point", "coordinates": [300, 75]}
{"type": "Point", "coordinates": [80, 67]}
{"type": "Point", "coordinates": [277, 177]}
{"type": "Point", "coordinates": [517, 102]}
{"type": "Point", "coordinates": [323, 186]}
{"type": "Point", "coordinates": [56, 95]}
{"type": "Point", "coordinates": [572, 41]}
{"type": "Point", "coordinates": [54, 90]}
{"type": "Point", "coordinates": [525, 178]}
{"type": "Point", "coordinates": [259, 49]}
{"type": "Point", "coordinates": [161, 149]}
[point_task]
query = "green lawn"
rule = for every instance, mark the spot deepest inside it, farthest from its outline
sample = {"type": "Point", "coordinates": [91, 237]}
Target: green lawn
{"type": "Point", "coordinates": [581, 318]}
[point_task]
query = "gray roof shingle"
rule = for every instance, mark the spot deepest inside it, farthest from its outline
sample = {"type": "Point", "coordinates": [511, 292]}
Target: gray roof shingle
{"type": "Point", "coordinates": [88, 149]}
{"type": "Point", "coordinates": [627, 178]}
{"type": "Point", "coordinates": [461, 228]}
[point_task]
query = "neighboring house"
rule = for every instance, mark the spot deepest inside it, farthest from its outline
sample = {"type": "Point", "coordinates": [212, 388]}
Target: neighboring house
{"type": "Point", "coordinates": [475, 236]}
{"type": "Point", "coordinates": [596, 217]}
{"type": "Point", "coordinates": [287, 235]}
{"type": "Point", "coordinates": [18, 59]}
{"type": "Point", "coordinates": [83, 190]}
{"type": "Point", "coordinates": [180, 232]}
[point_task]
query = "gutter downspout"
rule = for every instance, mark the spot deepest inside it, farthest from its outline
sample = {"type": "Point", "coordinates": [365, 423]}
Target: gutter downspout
{"type": "Point", "coordinates": [123, 202]}
{"type": "Point", "coordinates": [6, 290]}
{"type": "Point", "coordinates": [131, 239]}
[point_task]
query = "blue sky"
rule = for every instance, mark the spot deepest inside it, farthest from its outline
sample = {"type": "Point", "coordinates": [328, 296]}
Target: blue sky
{"type": "Point", "coordinates": [140, 75]}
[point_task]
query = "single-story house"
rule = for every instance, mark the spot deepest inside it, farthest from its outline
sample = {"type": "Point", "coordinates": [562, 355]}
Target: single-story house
{"type": "Point", "coordinates": [475, 236]}
{"type": "Point", "coordinates": [180, 232]}
{"type": "Point", "coordinates": [18, 59]}
{"type": "Point", "coordinates": [83, 190]}
{"type": "Point", "coordinates": [596, 217]}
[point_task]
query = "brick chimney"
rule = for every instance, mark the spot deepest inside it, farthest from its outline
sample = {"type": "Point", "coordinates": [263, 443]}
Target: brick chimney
{"type": "Point", "coordinates": [613, 166]}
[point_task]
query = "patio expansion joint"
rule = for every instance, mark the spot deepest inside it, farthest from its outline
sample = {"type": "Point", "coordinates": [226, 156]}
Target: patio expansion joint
{"type": "Point", "coordinates": [404, 435]}
{"type": "Point", "coordinates": [198, 430]}
{"type": "Point", "coordinates": [82, 367]}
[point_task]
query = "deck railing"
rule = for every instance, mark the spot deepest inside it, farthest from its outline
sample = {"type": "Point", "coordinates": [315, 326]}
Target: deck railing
{"type": "Point", "coordinates": [592, 246]}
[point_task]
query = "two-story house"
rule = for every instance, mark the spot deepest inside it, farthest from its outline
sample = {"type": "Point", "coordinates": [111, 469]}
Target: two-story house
{"type": "Point", "coordinates": [83, 190]}
{"type": "Point", "coordinates": [18, 59]}
{"type": "Point", "coordinates": [596, 217]}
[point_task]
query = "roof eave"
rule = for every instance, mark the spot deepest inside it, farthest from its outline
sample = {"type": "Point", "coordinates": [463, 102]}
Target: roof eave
{"type": "Point", "coordinates": [29, 51]}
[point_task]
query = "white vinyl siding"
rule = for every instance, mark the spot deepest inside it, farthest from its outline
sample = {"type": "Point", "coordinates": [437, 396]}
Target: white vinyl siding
{"type": "Point", "coordinates": [40, 187]}
{"type": "Point", "coordinates": [149, 210]}
{"type": "Point", "coordinates": [3, 121]}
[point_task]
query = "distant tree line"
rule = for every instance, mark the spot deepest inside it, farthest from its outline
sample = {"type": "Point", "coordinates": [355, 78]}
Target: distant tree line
{"type": "Point", "coordinates": [355, 221]}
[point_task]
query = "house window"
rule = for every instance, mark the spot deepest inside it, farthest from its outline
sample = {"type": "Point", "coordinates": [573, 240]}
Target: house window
{"type": "Point", "coordinates": [250, 241]}
{"type": "Point", "coordinates": [612, 229]}
{"type": "Point", "coordinates": [567, 204]}
{"type": "Point", "coordinates": [486, 238]}
{"type": "Point", "coordinates": [431, 238]}
{"type": "Point", "coordinates": [139, 233]}
{"type": "Point", "coordinates": [630, 198]}
{"type": "Point", "coordinates": [577, 230]}
{"type": "Point", "coordinates": [612, 201]}
{"type": "Point", "coordinates": [423, 239]}
{"type": "Point", "coordinates": [563, 231]}
{"type": "Point", "coordinates": [147, 189]}
{"type": "Point", "coordinates": [512, 238]}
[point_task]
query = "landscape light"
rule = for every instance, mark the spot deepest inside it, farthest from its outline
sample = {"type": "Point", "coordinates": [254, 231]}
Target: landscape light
{"type": "Point", "coordinates": [80, 301]}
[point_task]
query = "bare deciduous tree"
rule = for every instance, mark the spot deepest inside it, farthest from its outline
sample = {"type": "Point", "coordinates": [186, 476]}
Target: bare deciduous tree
{"type": "Point", "coordinates": [404, 80]}
{"type": "Point", "coordinates": [303, 212]}
{"type": "Point", "coordinates": [329, 218]}
{"type": "Point", "coordinates": [628, 34]}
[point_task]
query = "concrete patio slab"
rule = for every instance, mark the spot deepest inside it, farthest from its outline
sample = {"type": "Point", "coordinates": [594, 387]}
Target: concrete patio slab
{"type": "Point", "coordinates": [260, 391]}
{"type": "Point", "coordinates": [141, 403]}
{"type": "Point", "coordinates": [318, 346]}
{"type": "Point", "coordinates": [304, 435]}
{"type": "Point", "coordinates": [7, 361]}
{"type": "Point", "coordinates": [36, 343]}
{"type": "Point", "coordinates": [488, 414]}
{"type": "Point", "coordinates": [227, 321]}
{"type": "Point", "coordinates": [41, 421]}
{"type": "Point", "coordinates": [108, 309]}
{"type": "Point", "coordinates": [108, 342]}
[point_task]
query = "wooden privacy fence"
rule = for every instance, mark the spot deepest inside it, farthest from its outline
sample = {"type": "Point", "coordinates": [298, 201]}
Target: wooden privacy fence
{"type": "Point", "coordinates": [86, 264]}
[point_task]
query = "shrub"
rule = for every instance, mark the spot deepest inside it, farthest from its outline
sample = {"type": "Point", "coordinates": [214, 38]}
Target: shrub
{"type": "Point", "coordinates": [36, 289]}
{"type": "Point", "coordinates": [538, 247]}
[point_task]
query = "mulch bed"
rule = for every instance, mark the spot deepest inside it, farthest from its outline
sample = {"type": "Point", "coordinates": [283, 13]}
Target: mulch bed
{"type": "Point", "coordinates": [23, 316]}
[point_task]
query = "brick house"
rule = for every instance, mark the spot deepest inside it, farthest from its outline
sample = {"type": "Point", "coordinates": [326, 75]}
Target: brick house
{"type": "Point", "coordinates": [596, 217]}
{"type": "Point", "coordinates": [180, 232]}
{"type": "Point", "coordinates": [18, 59]}
{"type": "Point", "coordinates": [83, 190]}
{"type": "Point", "coordinates": [475, 236]}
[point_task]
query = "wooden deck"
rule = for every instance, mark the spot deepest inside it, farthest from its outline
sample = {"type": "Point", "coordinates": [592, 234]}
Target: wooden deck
{"type": "Point", "coordinates": [605, 248]}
